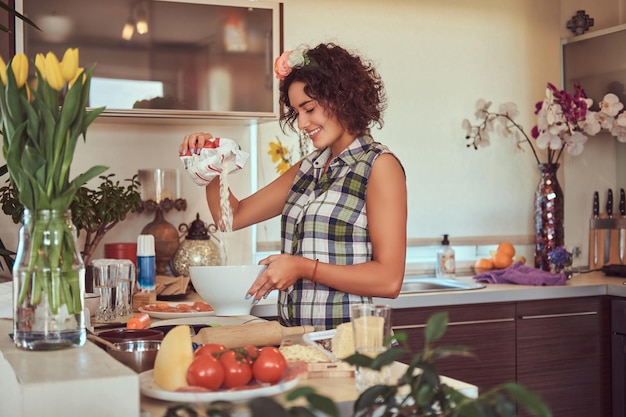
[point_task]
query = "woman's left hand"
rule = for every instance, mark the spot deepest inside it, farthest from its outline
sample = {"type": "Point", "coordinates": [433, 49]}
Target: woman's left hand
{"type": "Point", "coordinates": [282, 271]}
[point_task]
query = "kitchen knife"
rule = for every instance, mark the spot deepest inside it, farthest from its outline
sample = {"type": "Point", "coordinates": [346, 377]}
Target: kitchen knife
{"type": "Point", "coordinates": [622, 232]}
{"type": "Point", "coordinates": [609, 213]}
{"type": "Point", "coordinates": [596, 214]}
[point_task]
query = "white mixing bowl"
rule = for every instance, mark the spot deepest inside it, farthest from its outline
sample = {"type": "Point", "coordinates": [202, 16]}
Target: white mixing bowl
{"type": "Point", "coordinates": [224, 287]}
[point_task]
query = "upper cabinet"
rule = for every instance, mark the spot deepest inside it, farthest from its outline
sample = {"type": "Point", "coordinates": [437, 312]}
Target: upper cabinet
{"type": "Point", "coordinates": [166, 58]}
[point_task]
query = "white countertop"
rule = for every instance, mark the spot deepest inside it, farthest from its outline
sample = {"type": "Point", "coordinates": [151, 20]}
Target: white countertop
{"type": "Point", "coordinates": [581, 285]}
{"type": "Point", "coordinates": [54, 382]}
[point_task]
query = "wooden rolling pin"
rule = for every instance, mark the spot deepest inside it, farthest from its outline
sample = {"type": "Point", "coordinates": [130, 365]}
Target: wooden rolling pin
{"type": "Point", "coordinates": [258, 334]}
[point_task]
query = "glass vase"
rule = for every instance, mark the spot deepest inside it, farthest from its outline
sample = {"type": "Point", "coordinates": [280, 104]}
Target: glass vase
{"type": "Point", "coordinates": [549, 215]}
{"type": "Point", "coordinates": [48, 283]}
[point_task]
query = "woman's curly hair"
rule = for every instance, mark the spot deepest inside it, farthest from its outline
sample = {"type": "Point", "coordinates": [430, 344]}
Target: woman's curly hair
{"type": "Point", "coordinates": [345, 85]}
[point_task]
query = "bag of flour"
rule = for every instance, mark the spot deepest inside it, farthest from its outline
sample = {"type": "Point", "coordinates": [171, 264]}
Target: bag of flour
{"type": "Point", "coordinates": [216, 155]}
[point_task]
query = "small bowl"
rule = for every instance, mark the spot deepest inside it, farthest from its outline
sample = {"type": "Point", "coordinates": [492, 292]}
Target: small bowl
{"type": "Point", "coordinates": [92, 300]}
{"type": "Point", "coordinates": [127, 335]}
{"type": "Point", "coordinates": [224, 287]}
{"type": "Point", "coordinates": [139, 355]}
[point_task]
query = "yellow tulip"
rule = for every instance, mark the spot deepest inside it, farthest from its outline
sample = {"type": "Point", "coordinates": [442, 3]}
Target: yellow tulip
{"type": "Point", "coordinates": [3, 71]}
{"type": "Point", "coordinates": [53, 72]}
{"type": "Point", "coordinates": [40, 64]}
{"type": "Point", "coordinates": [79, 74]}
{"type": "Point", "coordinates": [19, 65]}
{"type": "Point", "coordinates": [69, 64]}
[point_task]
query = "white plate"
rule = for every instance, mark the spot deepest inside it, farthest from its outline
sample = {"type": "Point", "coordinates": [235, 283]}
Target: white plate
{"type": "Point", "coordinates": [176, 315]}
{"type": "Point", "coordinates": [150, 390]}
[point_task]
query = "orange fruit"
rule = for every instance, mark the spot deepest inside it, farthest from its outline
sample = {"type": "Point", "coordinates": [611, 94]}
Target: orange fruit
{"type": "Point", "coordinates": [506, 248]}
{"type": "Point", "coordinates": [502, 260]}
{"type": "Point", "coordinates": [483, 264]}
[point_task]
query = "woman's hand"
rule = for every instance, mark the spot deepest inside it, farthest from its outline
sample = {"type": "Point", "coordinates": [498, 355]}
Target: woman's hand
{"type": "Point", "coordinates": [193, 143]}
{"type": "Point", "coordinates": [282, 271]}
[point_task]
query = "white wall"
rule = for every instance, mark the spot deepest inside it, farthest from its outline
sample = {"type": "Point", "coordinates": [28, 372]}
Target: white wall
{"type": "Point", "coordinates": [437, 58]}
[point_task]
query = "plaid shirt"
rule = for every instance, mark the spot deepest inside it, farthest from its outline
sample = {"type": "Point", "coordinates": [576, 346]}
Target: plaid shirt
{"type": "Point", "coordinates": [325, 218]}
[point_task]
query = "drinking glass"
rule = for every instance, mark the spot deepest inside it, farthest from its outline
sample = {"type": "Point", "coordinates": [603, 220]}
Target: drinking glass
{"type": "Point", "coordinates": [104, 283]}
{"type": "Point", "coordinates": [125, 274]}
{"type": "Point", "coordinates": [371, 324]}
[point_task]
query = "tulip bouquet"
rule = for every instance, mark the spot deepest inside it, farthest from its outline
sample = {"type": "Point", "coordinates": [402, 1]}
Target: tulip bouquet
{"type": "Point", "coordinates": [42, 120]}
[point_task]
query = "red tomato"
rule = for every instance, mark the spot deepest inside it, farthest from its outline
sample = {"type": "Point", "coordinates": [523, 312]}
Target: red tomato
{"type": "Point", "coordinates": [205, 371]}
{"type": "Point", "coordinates": [237, 371]}
{"type": "Point", "coordinates": [270, 366]}
{"type": "Point", "coordinates": [210, 349]}
{"type": "Point", "coordinates": [252, 352]}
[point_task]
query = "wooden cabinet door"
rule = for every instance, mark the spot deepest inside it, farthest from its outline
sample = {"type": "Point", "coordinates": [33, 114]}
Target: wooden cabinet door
{"type": "Point", "coordinates": [562, 353]}
{"type": "Point", "coordinates": [487, 329]}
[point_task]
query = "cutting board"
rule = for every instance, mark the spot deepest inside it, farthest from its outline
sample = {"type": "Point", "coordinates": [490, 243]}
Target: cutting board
{"type": "Point", "coordinates": [269, 333]}
{"type": "Point", "coordinates": [328, 370]}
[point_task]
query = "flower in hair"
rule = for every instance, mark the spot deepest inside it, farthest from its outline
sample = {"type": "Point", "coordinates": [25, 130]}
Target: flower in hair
{"type": "Point", "coordinates": [288, 61]}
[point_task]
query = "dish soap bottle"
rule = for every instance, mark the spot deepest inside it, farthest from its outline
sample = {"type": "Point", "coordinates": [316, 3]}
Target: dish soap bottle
{"type": "Point", "coordinates": [446, 265]}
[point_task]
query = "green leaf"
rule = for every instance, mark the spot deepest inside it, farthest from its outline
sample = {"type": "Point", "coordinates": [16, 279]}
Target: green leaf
{"type": "Point", "coordinates": [436, 326]}
{"type": "Point", "coordinates": [323, 404]}
{"type": "Point", "coordinates": [531, 401]}
{"type": "Point", "coordinates": [387, 358]}
{"type": "Point", "coordinates": [298, 411]}
{"type": "Point", "coordinates": [18, 15]}
{"type": "Point", "coordinates": [359, 359]}
{"type": "Point", "coordinates": [370, 396]}
{"type": "Point", "coordinates": [266, 407]}
{"type": "Point", "coordinates": [299, 392]}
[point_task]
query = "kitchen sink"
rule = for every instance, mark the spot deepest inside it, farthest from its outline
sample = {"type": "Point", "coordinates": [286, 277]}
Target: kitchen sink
{"type": "Point", "coordinates": [426, 284]}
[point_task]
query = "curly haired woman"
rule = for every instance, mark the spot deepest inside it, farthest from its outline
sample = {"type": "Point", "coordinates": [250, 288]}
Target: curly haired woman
{"type": "Point", "coordinates": [343, 207]}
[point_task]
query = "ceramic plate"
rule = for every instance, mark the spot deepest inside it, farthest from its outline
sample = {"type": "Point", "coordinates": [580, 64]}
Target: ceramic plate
{"type": "Point", "coordinates": [176, 314]}
{"type": "Point", "coordinates": [150, 390]}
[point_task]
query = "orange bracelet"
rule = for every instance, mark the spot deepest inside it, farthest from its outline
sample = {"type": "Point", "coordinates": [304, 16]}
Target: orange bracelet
{"type": "Point", "coordinates": [314, 271]}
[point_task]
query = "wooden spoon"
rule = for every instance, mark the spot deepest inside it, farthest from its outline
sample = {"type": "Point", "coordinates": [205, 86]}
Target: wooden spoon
{"type": "Point", "coordinates": [94, 337]}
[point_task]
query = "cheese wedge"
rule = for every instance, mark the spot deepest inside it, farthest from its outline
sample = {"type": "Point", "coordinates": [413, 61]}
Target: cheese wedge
{"type": "Point", "coordinates": [173, 359]}
{"type": "Point", "coordinates": [343, 341]}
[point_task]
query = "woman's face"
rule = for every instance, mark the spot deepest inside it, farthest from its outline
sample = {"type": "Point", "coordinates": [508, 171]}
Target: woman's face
{"type": "Point", "coordinates": [322, 128]}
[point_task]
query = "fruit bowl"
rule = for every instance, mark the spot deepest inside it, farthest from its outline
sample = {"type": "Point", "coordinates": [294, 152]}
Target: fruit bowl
{"type": "Point", "coordinates": [224, 287]}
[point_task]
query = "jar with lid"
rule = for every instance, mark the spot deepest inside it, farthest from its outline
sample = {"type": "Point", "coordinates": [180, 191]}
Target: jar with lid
{"type": "Point", "coordinates": [200, 247]}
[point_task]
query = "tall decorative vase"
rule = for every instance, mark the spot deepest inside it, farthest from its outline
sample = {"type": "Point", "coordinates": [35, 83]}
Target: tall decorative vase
{"type": "Point", "coordinates": [48, 283]}
{"type": "Point", "coordinates": [549, 215]}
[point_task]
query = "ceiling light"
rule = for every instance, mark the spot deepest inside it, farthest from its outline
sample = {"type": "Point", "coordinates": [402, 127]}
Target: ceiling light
{"type": "Point", "coordinates": [128, 30]}
{"type": "Point", "coordinates": [142, 21]}
{"type": "Point", "coordinates": [142, 27]}
{"type": "Point", "coordinates": [55, 28]}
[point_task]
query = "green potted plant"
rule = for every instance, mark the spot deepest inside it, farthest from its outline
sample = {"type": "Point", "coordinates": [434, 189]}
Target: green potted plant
{"type": "Point", "coordinates": [419, 392]}
{"type": "Point", "coordinates": [94, 211]}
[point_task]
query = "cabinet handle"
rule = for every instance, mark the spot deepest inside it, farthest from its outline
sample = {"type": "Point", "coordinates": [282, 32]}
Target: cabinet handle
{"type": "Point", "coordinates": [455, 323]}
{"type": "Point", "coordinates": [551, 316]}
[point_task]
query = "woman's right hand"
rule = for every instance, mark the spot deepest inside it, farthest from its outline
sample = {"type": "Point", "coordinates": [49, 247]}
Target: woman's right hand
{"type": "Point", "coordinates": [193, 143]}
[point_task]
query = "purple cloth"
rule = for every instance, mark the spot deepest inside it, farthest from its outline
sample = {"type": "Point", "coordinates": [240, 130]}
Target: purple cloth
{"type": "Point", "coordinates": [518, 273]}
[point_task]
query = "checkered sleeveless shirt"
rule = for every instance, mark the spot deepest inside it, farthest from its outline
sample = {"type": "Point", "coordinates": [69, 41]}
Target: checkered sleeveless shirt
{"type": "Point", "coordinates": [325, 218]}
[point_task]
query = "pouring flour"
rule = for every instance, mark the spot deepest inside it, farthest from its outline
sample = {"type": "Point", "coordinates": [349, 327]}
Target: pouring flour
{"type": "Point", "coordinates": [218, 157]}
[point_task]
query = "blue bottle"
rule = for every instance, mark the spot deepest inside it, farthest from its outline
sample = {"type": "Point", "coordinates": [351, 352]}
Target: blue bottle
{"type": "Point", "coordinates": [146, 264]}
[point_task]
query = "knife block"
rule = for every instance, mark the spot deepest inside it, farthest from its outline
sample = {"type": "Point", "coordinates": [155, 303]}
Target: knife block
{"type": "Point", "coordinates": [600, 246]}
